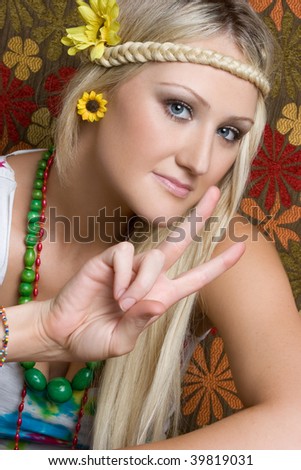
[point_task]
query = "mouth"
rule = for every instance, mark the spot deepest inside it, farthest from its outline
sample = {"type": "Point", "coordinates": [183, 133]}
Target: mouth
{"type": "Point", "coordinates": [174, 186]}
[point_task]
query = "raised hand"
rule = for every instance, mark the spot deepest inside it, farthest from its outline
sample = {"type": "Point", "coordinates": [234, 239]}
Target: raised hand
{"type": "Point", "coordinates": [102, 310]}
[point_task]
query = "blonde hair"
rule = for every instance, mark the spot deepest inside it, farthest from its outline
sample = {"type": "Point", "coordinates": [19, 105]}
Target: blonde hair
{"type": "Point", "coordinates": [139, 394]}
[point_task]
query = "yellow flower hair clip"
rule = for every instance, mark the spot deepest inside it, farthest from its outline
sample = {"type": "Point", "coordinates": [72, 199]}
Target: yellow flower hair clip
{"type": "Point", "coordinates": [100, 30]}
{"type": "Point", "coordinates": [91, 106]}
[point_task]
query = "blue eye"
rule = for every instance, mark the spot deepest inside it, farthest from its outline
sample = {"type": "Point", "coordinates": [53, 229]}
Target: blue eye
{"type": "Point", "coordinates": [179, 110]}
{"type": "Point", "coordinates": [230, 134]}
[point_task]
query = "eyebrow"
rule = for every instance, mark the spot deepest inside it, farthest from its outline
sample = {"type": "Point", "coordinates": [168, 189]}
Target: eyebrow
{"type": "Point", "coordinates": [205, 103]}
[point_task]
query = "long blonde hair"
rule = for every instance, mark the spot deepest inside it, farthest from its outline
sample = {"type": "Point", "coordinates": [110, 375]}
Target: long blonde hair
{"type": "Point", "coordinates": [139, 393]}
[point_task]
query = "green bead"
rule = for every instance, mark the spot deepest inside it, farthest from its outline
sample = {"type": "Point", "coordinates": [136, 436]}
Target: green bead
{"type": "Point", "coordinates": [46, 155]}
{"type": "Point", "coordinates": [42, 164]}
{"type": "Point", "coordinates": [33, 216]}
{"type": "Point", "coordinates": [25, 289]}
{"type": "Point", "coordinates": [31, 240]}
{"type": "Point", "coordinates": [36, 205]}
{"type": "Point", "coordinates": [29, 257]}
{"type": "Point", "coordinates": [59, 390]}
{"type": "Point", "coordinates": [28, 275]}
{"type": "Point", "coordinates": [82, 379]}
{"type": "Point", "coordinates": [35, 380]}
{"type": "Point", "coordinates": [40, 174]}
{"type": "Point", "coordinates": [27, 365]}
{"type": "Point", "coordinates": [33, 228]}
{"type": "Point", "coordinates": [24, 300]}
{"type": "Point", "coordinates": [36, 194]}
{"type": "Point", "coordinates": [38, 184]}
{"type": "Point", "coordinates": [93, 364]}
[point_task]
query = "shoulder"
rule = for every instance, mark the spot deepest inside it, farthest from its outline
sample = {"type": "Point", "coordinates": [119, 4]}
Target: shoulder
{"type": "Point", "coordinates": [258, 278]}
{"type": "Point", "coordinates": [20, 159]}
{"type": "Point", "coordinates": [258, 246]}
{"type": "Point", "coordinates": [14, 166]}
{"type": "Point", "coordinates": [5, 169]}
{"type": "Point", "coordinates": [254, 310]}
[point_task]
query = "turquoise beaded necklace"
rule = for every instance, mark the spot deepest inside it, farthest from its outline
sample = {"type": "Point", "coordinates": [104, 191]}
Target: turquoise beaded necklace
{"type": "Point", "coordinates": [59, 389]}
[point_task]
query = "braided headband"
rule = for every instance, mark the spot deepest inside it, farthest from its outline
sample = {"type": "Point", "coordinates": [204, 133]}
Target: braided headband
{"type": "Point", "coordinates": [141, 52]}
{"type": "Point", "coordinates": [100, 37]}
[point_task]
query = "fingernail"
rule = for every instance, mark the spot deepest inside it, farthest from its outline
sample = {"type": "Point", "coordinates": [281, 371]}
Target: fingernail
{"type": "Point", "coordinates": [120, 293]}
{"type": "Point", "coordinates": [126, 304]}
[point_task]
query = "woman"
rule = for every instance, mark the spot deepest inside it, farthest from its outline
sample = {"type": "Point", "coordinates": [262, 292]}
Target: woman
{"type": "Point", "coordinates": [166, 134]}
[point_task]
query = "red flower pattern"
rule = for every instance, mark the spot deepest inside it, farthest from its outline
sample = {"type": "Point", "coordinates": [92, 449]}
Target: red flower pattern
{"type": "Point", "coordinates": [276, 169]}
{"type": "Point", "coordinates": [16, 103]}
{"type": "Point", "coordinates": [55, 84]}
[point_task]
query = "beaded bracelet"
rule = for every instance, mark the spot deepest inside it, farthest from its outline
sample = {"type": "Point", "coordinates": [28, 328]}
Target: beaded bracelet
{"type": "Point", "coordinates": [3, 351]}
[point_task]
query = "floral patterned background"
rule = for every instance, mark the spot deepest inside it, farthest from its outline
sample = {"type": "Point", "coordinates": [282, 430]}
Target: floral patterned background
{"type": "Point", "coordinates": [34, 67]}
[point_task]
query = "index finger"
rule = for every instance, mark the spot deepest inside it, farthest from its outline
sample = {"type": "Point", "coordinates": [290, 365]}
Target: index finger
{"type": "Point", "coordinates": [177, 241]}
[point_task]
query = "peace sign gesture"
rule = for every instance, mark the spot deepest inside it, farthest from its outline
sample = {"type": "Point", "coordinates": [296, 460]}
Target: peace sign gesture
{"type": "Point", "coordinates": [102, 310]}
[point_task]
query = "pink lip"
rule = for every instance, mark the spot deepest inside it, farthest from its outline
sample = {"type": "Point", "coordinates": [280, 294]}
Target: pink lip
{"type": "Point", "coordinates": [173, 185]}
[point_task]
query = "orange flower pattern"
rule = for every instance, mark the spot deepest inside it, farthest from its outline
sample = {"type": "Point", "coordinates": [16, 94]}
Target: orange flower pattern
{"type": "Point", "coordinates": [277, 225]}
{"type": "Point", "coordinates": [276, 9]}
{"type": "Point", "coordinates": [208, 387]}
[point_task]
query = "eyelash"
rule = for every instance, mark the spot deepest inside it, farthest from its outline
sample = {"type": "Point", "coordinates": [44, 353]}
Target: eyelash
{"type": "Point", "coordinates": [237, 133]}
{"type": "Point", "coordinates": [171, 102]}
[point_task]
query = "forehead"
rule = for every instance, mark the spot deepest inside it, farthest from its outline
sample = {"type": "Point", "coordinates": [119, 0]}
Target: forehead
{"type": "Point", "coordinates": [222, 43]}
{"type": "Point", "coordinates": [221, 90]}
{"type": "Point", "coordinates": [202, 79]}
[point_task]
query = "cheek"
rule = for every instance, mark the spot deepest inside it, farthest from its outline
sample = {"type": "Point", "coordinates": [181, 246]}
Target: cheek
{"type": "Point", "coordinates": [134, 137]}
{"type": "Point", "coordinates": [215, 175]}
{"type": "Point", "coordinates": [223, 162]}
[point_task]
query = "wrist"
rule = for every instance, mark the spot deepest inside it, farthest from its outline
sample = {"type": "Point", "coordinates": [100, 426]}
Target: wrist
{"type": "Point", "coordinates": [28, 339]}
{"type": "Point", "coordinates": [5, 338]}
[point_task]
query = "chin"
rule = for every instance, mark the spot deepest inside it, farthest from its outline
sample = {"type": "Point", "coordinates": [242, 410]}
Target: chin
{"type": "Point", "coordinates": [161, 217]}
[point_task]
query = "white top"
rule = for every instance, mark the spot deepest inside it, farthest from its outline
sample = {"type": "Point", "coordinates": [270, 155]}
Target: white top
{"type": "Point", "coordinates": [7, 192]}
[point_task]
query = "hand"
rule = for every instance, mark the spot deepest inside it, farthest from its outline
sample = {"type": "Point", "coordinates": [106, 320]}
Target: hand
{"type": "Point", "coordinates": [116, 295]}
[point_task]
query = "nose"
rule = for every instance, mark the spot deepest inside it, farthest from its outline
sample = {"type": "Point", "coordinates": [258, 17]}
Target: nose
{"type": "Point", "coordinates": [196, 153]}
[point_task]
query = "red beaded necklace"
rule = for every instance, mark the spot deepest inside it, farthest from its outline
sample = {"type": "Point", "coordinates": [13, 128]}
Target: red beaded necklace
{"type": "Point", "coordinates": [59, 389]}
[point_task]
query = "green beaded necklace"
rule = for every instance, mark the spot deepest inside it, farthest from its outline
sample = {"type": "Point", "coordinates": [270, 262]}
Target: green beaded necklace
{"type": "Point", "coordinates": [59, 389]}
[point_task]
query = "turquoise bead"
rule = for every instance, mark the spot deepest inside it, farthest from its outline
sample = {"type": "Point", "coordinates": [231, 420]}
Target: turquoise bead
{"type": "Point", "coordinates": [31, 240]}
{"type": "Point", "coordinates": [28, 275]}
{"type": "Point", "coordinates": [33, 216]}
{"type": "Point", "coordinates": [35, 380]}
{"type": "Point", "coordinates": [25, 289]}
{"type": "Point", "coordinates": [59, 390]}
{"type": "Point", "coordinates": [24, 300]}
{"type": "Point", "coordinates": [36, 194]}
{"type": "Point", "coordinates": [82, 379]}
{"type": "Point", "coordinates": [29, 257]}
{"type": "Point", "coordinates": [38, 184]}
{"type": "Point", "coordinates": [36, 205]}
{"type": "Point", "coordinates": [27, 365]}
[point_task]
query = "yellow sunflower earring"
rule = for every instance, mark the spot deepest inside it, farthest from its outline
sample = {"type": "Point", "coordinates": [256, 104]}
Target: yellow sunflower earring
{"type": "Point", "coordinates": [91, 106]}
